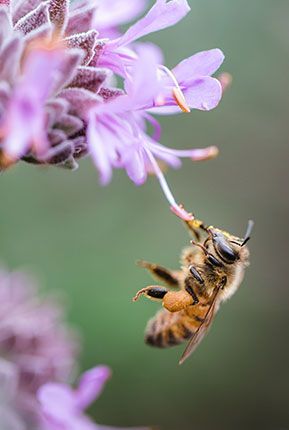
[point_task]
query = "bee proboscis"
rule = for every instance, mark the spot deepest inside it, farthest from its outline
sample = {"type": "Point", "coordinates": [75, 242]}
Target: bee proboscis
{"type": "Point", "coordinates": [212, 269]}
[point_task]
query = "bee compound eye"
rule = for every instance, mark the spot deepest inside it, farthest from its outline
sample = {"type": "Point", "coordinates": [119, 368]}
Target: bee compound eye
{"type": "Point", "coordinates": [226, 252]}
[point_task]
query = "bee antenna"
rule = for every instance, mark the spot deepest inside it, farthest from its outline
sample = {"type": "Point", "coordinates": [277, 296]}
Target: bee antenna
{"type": "Point", "coordinates": [248, 232]}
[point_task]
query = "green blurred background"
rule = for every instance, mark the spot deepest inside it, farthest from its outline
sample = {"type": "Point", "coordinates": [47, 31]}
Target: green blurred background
{"type": "Point", "coordinates": [84, 240]}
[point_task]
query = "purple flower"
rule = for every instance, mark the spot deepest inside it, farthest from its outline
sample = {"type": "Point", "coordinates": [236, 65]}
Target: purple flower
{"type": "Point", "coordinates": [192, 79]}
{"type": "Point", "coordinates": [63, 407]}
{"type": "Point", "coordinates": [35, 344]}
{"type": "Point", "coordinates": [57, 99]}
{"type": "Point", "coordinates": [122, 121]}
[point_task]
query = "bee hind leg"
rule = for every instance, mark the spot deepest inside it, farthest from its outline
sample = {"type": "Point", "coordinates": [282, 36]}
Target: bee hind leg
{"type": "Point", "coordinates": [173, 301]}
{"type": "Point", "coordinates": [153, 292]}
{"type": "Point", "coordinates": [176, 301]}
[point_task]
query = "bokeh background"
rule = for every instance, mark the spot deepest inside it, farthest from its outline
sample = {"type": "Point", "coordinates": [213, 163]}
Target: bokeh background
{"type": "Point", "coordinates": [84, 240]}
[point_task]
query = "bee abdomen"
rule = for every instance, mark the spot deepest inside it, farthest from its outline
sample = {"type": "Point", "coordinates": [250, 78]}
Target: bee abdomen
{"type": "Point", "coordinates": [166, 330]}
{"type": "Point", "coordinates": [156, 339]}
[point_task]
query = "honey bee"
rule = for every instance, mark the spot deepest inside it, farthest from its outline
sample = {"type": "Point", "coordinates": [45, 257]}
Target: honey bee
{"type": "Point", "coordinates": [212, 269]}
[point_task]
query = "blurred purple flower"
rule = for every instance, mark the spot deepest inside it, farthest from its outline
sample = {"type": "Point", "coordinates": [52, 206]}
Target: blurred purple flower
{"type": "Point", "coordinates": [35, 345]}
{"type": "Point", "coordinates": [9, 418]}
{"type": "Point", "coordinates": [63, 407]}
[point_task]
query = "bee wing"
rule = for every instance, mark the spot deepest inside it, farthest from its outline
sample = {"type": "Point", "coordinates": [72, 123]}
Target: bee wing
{"type": "Point", "coordinates": [203, 328]}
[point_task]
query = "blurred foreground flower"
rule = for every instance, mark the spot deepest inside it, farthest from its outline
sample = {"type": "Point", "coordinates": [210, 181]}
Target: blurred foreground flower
{"type": "Point", "coordinates": [37, 359]}
{"type": "Point", "coordinates": [57, 96]}
{"type": "Point", "coordinates": [63, 407]}
{"type": "Point", "coordinates": [35, 345]}
{"type": "Point", "coordinates": [9, 418]}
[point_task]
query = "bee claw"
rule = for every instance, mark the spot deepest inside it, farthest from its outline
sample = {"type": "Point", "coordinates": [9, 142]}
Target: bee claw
{"type": "Point", "coordinates": [142, 263]}
{"type": "Point", "coordinates": [138, 294]}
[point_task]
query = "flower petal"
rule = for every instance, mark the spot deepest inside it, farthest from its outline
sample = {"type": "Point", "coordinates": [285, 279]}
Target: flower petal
{"type": "Point", "coordinates": [162, 15]}
{"type": "Point", "coordinates": [203, 63]}
{"type": "Point", "coordinates": [58, 402]}
{"type": "Point", "coordinates": [41, 71]}
{"type": "Point", "coordinates": [162, 153]}
{"type": "Point", "coordinates": [91, 385]}
{"type": "Point", "coordinates": [204, 93]}
{"type": "Point", "coordinates": [27, 103]}
{"type": "Point", "coordinates": [112, 13]}
{"type": "Point", "coordinates": [145, 70]}
{"type": "Point", "coordinates": [97, 149]}
{"type": "Point", "coordinates": [134, 164]}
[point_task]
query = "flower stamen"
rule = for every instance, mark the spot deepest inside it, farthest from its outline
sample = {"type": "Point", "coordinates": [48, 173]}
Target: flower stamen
{"type": "Point", "coordinates": [178, 94]}
{"type": "Point", "coordinates": [181, 100]}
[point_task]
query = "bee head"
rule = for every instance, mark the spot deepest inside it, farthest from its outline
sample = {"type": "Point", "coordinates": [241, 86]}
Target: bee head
{"type": "Point", "coordinates": [229, 249]}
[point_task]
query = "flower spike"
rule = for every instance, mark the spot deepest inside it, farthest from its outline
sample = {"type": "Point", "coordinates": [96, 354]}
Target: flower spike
{"type": "Point", "coordinates": [58, 61]}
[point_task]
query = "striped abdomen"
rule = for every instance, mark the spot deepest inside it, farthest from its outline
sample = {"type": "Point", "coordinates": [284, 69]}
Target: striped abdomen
{"type": "Point", "coordinates": [167, 329]}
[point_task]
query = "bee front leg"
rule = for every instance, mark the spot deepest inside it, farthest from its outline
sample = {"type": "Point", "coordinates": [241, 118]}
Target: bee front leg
{"type": "Point", "coordinates": [153, 292]}
{"type": "Point", "coordinates": [196, 227]}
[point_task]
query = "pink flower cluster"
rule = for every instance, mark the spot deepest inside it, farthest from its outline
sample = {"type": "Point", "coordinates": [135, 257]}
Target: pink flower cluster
{"type": "Point", "coordinates": [37, 360]}
{"type": "Point", "coordinates": [58, 99]}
